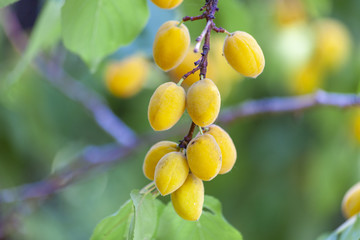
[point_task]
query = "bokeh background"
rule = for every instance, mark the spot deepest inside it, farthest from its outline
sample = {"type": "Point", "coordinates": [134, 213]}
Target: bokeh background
{"type": "Point", "coordinates": [292, 169]}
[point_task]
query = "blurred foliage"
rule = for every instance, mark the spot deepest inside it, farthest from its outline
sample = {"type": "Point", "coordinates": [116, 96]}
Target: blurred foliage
{"type": "Point", "coordinates": [292, 169]}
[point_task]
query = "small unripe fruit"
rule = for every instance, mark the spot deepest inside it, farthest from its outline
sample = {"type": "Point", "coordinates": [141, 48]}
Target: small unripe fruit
{"type": "Point", "coordinates": [166, 106]}
{"type": "Point", "coordinates": [227, 147]}
{"type": "Point", "coordinates": [203, 102]}
{"type": "Point", "coordinates": [171, 172]}
{"type": "Point", "coordinates": [154, 155]}
{"type": "Point", "coordinates": [171, 44]}
{"type": "Point", "coordinates": [351, 201]}
{"type": "Point", "coordinates": [126, 78]}
{"type": "Point", "coordinates": [188, 200]}
{"type": "Point", "coordinates": [244, 54]}
{"type": "Point", "coordinates": [167, 4]}
{"type": "Point", "coordinates": [204, 157]}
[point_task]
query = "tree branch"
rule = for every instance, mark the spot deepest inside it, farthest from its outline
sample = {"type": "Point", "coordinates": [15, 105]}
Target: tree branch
{"type": "Point", "coordinates": [279, 105]}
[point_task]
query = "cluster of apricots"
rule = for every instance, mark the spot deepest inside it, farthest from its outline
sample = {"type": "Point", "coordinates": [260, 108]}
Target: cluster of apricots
{"type": "Point", "coordinates": [177, 169]}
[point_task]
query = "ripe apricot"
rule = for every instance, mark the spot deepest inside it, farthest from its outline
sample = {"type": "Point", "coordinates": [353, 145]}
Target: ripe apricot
{"type": "Point", "coordinates": [204, 157]}
{"type": "Point", "coordinates": [203, 102]}
{"type": "Point", "coordinates": [126, 78]}
{"type": "Point", "coordinates": [244, 54]}
{"type": "Point", "coordinates": [351, 202]}
{"type": "Point", "coordinates": [188, 200]}
{"type": "Point", "coordinates": [154, 155]}
{"type": "Point", "coordinates": [167, 4]}
{"type": "Point", "coordinates": [171, 44]}
{"type": "Point", "coordinates": [166, 106]}
{"type": "Point", "coordinates": [227, 147]}
{"type": "Point", "coordinates": [171, 172]}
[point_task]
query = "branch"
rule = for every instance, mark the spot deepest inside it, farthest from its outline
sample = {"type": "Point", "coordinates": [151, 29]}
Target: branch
{"type": "Point", "coordinates": [279, 105]}
{"type": "Point", "coordinates": [53, 72]}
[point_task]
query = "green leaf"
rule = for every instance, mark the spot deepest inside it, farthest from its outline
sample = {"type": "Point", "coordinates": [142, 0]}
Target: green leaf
{"type": "Point", "coordinates": [46, 33]}
{"type": "Point", "coordinates": [211, 225]}
{"type": "Point", "coordinates": [96, 28]}
{"type": "Point", "coordinates": [4, 3]}
{"type": "Point", "coordinates": [349, 230]}
{"type": "Point", "coordinates": [146, 215]}
{"type": "Point", "coordinates": [115, 227]}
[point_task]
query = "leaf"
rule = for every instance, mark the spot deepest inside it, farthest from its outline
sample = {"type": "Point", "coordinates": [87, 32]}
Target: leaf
{"type": "Point", "coordinates": [4, 3]}
{"type": "Point", "coordinates": [115, 227]}
{"type": "Point", "coordinates": [46, 33]}
{"type": "Point", "coordinates": [96, 28]}
{"type": "Point", "coordinates": [211, 224]}
{"type": "Point", "coordinates": [349, 230]}
{"type": "Point", "coordinates": [146, 215]}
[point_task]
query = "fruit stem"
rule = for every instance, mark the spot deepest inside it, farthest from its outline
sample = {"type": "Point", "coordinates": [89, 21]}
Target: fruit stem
{"type": "Point", "coordinates": [201, 131]}
{"type": "Point", "coordinates": [180, 82]}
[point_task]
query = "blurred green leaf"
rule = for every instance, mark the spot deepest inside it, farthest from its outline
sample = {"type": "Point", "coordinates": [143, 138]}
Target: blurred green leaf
{"type": "Point", "coordinates": [4, 3]}
{"type": "Point", "coordinates": [115, 226]}
{"type": "Point", "coordinates": [45, 34]}
{"type": "Point", "coordinates": [96, 28]}
{"type": "Point", "coordinates": [349, 230]}
{"type": "Point", "coordinates": [211, 225]}
{"type": "Point", "coordinates": [146, 215]}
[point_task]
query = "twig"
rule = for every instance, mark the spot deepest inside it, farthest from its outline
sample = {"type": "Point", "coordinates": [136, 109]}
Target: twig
{"type": "Point", "coordinates": [288, 104]}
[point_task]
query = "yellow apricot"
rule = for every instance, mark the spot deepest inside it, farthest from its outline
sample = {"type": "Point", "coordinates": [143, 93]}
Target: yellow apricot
{"type": "Point", "coordinates": [226, 76]}
{"type": "Point", "coordinates": [171, 172]}
{"type": "Point", "coordinates": [289, 12]}
{"type": "Point", "coordinates": [351, 202]}
{"type": "Point", "coordinates": [244, 54]}
{"type": "Point", "coordinates": [204, 157]}
{"type": "Point", "coordinates": [154, 155]}
{"type": "Point", "coordinates": [227, 147]}
{"type": "Point", "coordinates": [356, 126]}
{"type": "Point", "coordinates": [188, 200]}
{"type": "Point", "coordinates": [307, 79]}
{"type": "Point", "coordinates": [186, 66]}
{"type": "Point", "coordinates": [333, 43]}
{"type": "Point", "coordinates": [166, 106]}
{"type": "Point", "coordinates": [171, 44]}
{"type": "Point", "coordinates": [126, 78]}
{"type": "Point", "coordinates": [167, 4]}
{"type": "Point", "coordinates": [203, 102]}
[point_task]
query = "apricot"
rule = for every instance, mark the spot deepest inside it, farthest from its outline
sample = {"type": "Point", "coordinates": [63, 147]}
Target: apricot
{"type": "Point", "coordinates": [166, 106]}
{"type": "Point", "coordinates": [227, 147]}
{"type": "Point", "coordinates": [244, 54]}
{"type": "Point", "coordinates": [171, 44]}
{"type": "Point", "coordinates": [203, 102]}
{"type": "Point", "coordinates": [171, 172]}
{"type": "Point", "coordinates": [204, 157]}
{"type": "Point", "coordinates": [167, 4]}
{"type": "Point", "coordinates": [126, 78]}
{"type": "Point", "coordinates": [188, 200]}
{"type": "Point", "coordinates": [154, 155]}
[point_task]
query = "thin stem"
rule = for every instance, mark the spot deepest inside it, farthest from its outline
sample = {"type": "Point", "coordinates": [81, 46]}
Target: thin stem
{"type": "Point", "coordinates": [188, 137]}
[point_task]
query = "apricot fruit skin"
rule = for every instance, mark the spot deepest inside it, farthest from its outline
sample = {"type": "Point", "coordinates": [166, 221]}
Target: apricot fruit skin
{"type": "Point", "coordinates": [351, 202]}
{"type": "Point", "coordinates": [227, 147]}
{"type": "Point", "coordinates": [204, 157]}
{"type": "Point", "coordinates": [203, 102]}
{"type": "Point", "coordinates": [244, 54]}
{"type": "Point", "coordinates": [167, 4]}
{"type": "Point", "coordinates": [188, 200]}
{"type": "Point", "coordinates": [171, 172]}
{"type": "Point", "coordinates": [170, 45]}
{"type": "Point", "coordinates": [154, 155]}
{"type": "Point", "coordinates": [126, 78]}
{"type": "Point", "coordinates": [166, 106]}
